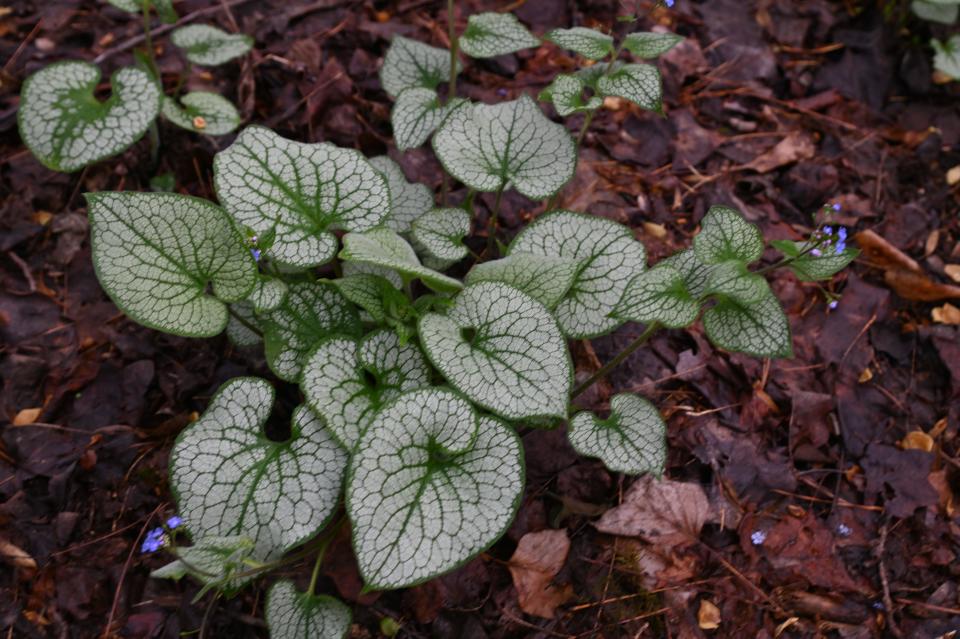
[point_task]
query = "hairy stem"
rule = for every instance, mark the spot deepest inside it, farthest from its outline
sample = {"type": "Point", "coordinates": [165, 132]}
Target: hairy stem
{"type": "Point", "coordinates": [321, 551]}
{"type": "Point", "coordinates": [148, 42]}
{"type": "Point", "coordinates": [616, 361]}
{"type": "Point", "coordinates": [452, 84]}
{"type": "Point", "coordinates": [492, 223]}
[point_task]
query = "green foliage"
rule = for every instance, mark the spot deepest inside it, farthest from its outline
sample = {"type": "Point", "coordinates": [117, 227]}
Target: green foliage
{"type": "Point", "coordinates": [947, 54]}
{"type": "Point", "coordinates": [492, 34]}
{"type": "Point", "coordinates": [631, 440]}
{"type": "Point", "coordinates": [202, 112]}
{"type": "Point", "coordinates": [209, 46]}
{"type": "Point", "coordinates": [299, 615]}
{"type": "Point", "coordinates": [647, 45]}
{"type": "Point", "coordinates": [589, 43]}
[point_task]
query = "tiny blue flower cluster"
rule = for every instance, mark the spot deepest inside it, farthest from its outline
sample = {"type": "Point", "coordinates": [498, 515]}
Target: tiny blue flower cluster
{"type": "Point", "coordinates": [156, 538]}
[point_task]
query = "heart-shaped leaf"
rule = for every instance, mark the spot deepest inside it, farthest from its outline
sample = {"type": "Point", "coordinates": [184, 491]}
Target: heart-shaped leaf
{"type": "Point", "coordinates": [408, 201]}
{"type": "Point", "coordinates": [347, 383]}
{"type": "Point", "coordinates": [230, 479]}
{"type": "Point", "coordinates": [544, 278]}
{"type": "Point", "coordinates": [946, 57]}
{"type": "Point", "coordinates": [757, 328]}
{"type": "Point", "coordinates": [310, 312]}
{"type": "Point", "coordinates": [811, 268]}
{"type": "Point", "coordinates": [589, 43]}
{"type": "Point", "coordinates": [658, 295]}
{"type": "Point", "coordinates": [632, 440]}
{"type": "Point", "coordinates": [361, 268]}
{"type": "Point", "coordinates": [639, 83]}
{"type": "Point", "coordinates": [566, 94]}
{"type": "Point", "coordinates": [732, 279]}
{"type": "Point", "coordinates": [491, 34]}
{"type": "Point", "coordinates": [944, 13]}
{"type": "Point", "coordinates": [416, 114]}
{"type": "Point", "coordinates": [209, 46]}
{"type": "Point", "coordinates": [299, 615]}
{"type": "Point", "coordinates": [67, 128]}
{"type": "Point", "coordinates": [607, 258]}
{"type": "Point", "coordinates": [441, 231]}
{"type": "Point", "coordinates": [503, 350]}
{"type": "Point", "coordinates": [430, 486]}
{"type": "Point", "coordinates": [375, 294]}
{"type": "Point", "coordinates": [155, 254]}
{"type": "Point", "coordinates": [164, 8]}
{"type": "Point", "coordinates": [212, 560]}
{"type": "Point", "coordinates": [409, 63]}
{"type": "Point", "coordinates": [268, 294]}
{"type": "Point", "coordinates": [649, 45]}
{"type": "Point", "coordinates": [383, 247]}
{"type": "Point", "coordinates": [488, 147]}
{"type": "Point", "coordinates": [202, 112]}
{"type": "Point", "coordinates": [696, 274]}
{"type": "Point", "coordinates": [301, 191]}
{"type": "Point", "coordinates": [724, 235]}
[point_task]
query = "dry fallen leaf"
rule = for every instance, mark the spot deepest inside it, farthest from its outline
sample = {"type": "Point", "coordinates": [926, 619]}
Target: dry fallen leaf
{"type": "Point", "coordinates": [708, 617]}
{"type": "Point", "coordinates": [658, 231]}
{"type": "Point", "coordinates": [17, 557]}
{"type": "Point", "coordinates": [659, 510]}
{"type": "Point", "coordinates": [27, 416]}
{"type": "Point", "coordinates": [953, 175]}
{"type": "Point", "coordinates": [882, 253]}
{"type": "Point", "coordinates": [946, 314]}
{"type": "Point", "coordinates": [865, 376]}
{"type": "Point", "coordinates": [953, 270]}
{"type": "Point", "coordinates": [916, 286]}
{"type": "Point", "coordinates": [917, 440]}
{"type": "Point", "coordinates": [796, 146]}
{"type": "Point", "coordinates": [537, 560]}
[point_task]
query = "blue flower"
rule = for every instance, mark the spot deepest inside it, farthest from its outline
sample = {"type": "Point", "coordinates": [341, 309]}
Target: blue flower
{"type": "Point", "coordinates": [669, 3]}
{"type": "Point", "coordinates": [836, 206]}
{"type": "Point", "coordinates": [758, 537]}
{"type": "Point", "coordinates": [828, 230]}
{"type": "Point", "coordinates": [174, 522]}
{"type": "Point", "coordinates": [844, 530]}
{"type": "Point", "coordinates": [842, 233]}
{"type": "Point", "coordinates": [841, 247]}
{"type": "Point", "coordinates": [255, 253]}
{"type": "Point", "coordinates": [833, 304]}
{"type": "Point", "coordinates": [816, 253]}
{"type": "Point", "coordinates": [154, 541]}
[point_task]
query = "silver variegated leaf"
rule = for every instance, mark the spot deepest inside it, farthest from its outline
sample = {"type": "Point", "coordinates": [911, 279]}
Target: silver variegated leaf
{"type": "Point", "coordinates": [300, 191]}
{"type": "Point", "coordinates": [695, 273]}
{"type": "Point", "coordinates": [544, 278]}
{"type": "Point", "coordinates": [724, 235]}
{"type": "Point", "coordinates": [268, 294]}
{"type": "Point", "coordinates": [408, 201]}
{"type": "Point", "coordinates": [67, 128]}
{"type": "Point", "coordinates": [347, 382]}
{"type": "Point", "coordinates": [156, 253]}
{"type": "Point", "coordinates": [658, 295]}
{"type": "Point", "coordinates": [589, 43]}
{"type": "Point", "coordinates": [757, 328]}
{"type": "Point", "coordinates": [649, 45]}
{"type": "Point", "coordinates": [375, 294]}
{"type": "Point", "coordinates": [440, 232]}
{"type": "Point", "coordinates": [384, 248]}
{"type": "Point", "coordinates": [409, 63]}
{"type": "Point", "coordinates": [566, 94]}
{"type": "Point", "coordinates": [358, 268]}
{"type": "Point", "coordinates": [299, 615]}
{"type": "Point", "coordinates": [942, 12]}
{"type": "Point", "coordinates": [310, 312]}
{"type": "Point", "coordinates": [230, 479]}
{"type": "Point", "coordinates": [632, 440]}
{"type": "Point", "coordinates": [639, 83]}
{"type": "Point", "coordinates": [607, 257]}
{"type": "Point", "coordinates": [503, 350]}
{"type": "Point", "coordinates": [241, 323]}
{"type": "Point", "coordinates": [946, 56]}
{"type": "Point", "coordinates": [491, 34]}
{"type": "Point", "coordinates": [213, 560]}
{"type": "Point", "coordinates": [430, 486]}
{"type": "Point", "coordinates": [202, 112]}
{"type": "Point", "coordinates": [811, 268]}
{"type": "Point", "coordinates": [209, 46]}
{"type": "Point", "coordinates": [416, 114]}
{"type": "Point", "coordinates": [732, 279]}
{"type": "Point", "coordinates": [489, 147]}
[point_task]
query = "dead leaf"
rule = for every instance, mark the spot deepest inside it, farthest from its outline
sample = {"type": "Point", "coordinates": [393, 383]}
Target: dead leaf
{"type": "Point", "coordinates": [27, 416]}
{"type": "Point", "coordinates": [946, 314]}
{"type": "Point", "coordinates": [930, 246]}
{"type": "Point", "coordinates": [796, 146]}
{"type": "Point", "coordinates": [953, 270]}
{"type": "Point", "coordinates": [658, 231]}
{"type": "Point", "coordinates": [865, 376]}
{"type": "Point", "coordinates": [708, 617]}
{"type": "Point", "coordinates": [659, 510]}
{"type": "Point", "coordinates": [537, 560]}
{"type": "Point", "coordinates": [917, 440]}
{"type": "Point", "coordinates": [17, 557]}
{"type": "Point", "coordinates": [916, 286]}
{"type": "Point", "coordinates": [953, 175]}
{"type": "Point", "coordinates": [884, 254]}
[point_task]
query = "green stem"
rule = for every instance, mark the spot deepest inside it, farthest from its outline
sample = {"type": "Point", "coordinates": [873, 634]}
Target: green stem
{"type": "Point", "coordinates": [244, 322]}
{"type": "Point", "coordinates": [452, 83]}
{"type": "Point", "coordinates": [492, 222]}
{"type": "Point", "coordinates": [148, 42]}
{"type": "Point", "coordinates": [321, 551]}
{"type": "Point", "coordinates": [616, 361]}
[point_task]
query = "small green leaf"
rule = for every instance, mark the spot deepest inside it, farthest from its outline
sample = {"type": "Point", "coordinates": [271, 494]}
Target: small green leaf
{"type": "Point", "coordinates": [67, 128]}
{"type": "Point", "coordinates": [209, 46]}
{"type": "Point", "coordinates": [212, 560]}
{"type": "Point", "coordinates": [592, 74]}
{"type": "Point", "coordinates": [202, 112]}
{"type": "Point", "coordinates": [491, 34]}
{"type": "Point", "coordinates": [757, 328]}
{"type": "Point", "coordinates": [238, 332]}
{"type": "Point", "coordinates": [310, 312]}
{"type": "Point", "coordinates": [587, 42]}
{"type": "Point", "coordinates": [649, 45]}
{"type": "Point", "coordinates": [639, 83]}
{"type": "Point", "coordinates": [488, 147]}
{"type": "Point", "coordinates": [347, 383]}
{"type": "Point", "coordinates": [811, 268]}
{"type": "Point", "coordinates": [724, 235]}
{"type": "Point", "coordinates": [155, 254]}
{"type": "Point", "coordinates": [503, 350]}
{"type": "Point", "coordinates": [696, 274]}
{"type": "Point", "coordinates": [302, 191]}
{"type": "Point", "coordinates": [732, 279]}
{"type": "Point", "coordinates": [544, 278]}
{"type": "Point", "coordinates": [230, 479]}
{"type": "Point", "coordinates": [566, 94]}
{"type": "Point", "coordinates": [944, 13]}
{"type": "Point", "coordinates": [441, 231]}
{"type": "Point", "coordinates": [268, 294]}
{"type": "Point", "coordinates": [382, 247]}
{"type": "Point", "coordinates": [416, 114]}
{"type": "Point", "coordinates": [632, 440]}
{"type": "Point", "coordinates": [165, 11]}
{"type": "Point", "coordinates": [946, 58]}
{"type": "Point", "coordinates": [607, 257]}
{"type": "Point", "coordinates": [409, 63]}
{"type": "Point", "coordinates": [299, 615]}
{"type": "Point", "coordinates": [408, 201]}
{"type": "Point", "coordinates": [658, 295]}
{"type": "Point", "coordinates": [430, 486]}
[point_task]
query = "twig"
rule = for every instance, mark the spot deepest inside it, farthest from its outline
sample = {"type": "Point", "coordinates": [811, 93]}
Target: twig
{"type": "Point", "coordinates": [887, 599]}
{"type": "Point", "coordinates": [616, 361]}
{"type": "Point", "coordinates": [23, 45]}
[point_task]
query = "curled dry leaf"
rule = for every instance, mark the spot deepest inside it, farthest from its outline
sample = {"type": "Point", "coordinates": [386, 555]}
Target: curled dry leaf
{"type": "Point", "coordinates": [878, 251]}
{"type": "Point", "coordinates": [946, 314]}
{"type": "Point", "coordinates": [17, 557]}
{"type": "Point", "coordinates": [664, 512]}
{"type": "Point", "coordinates": [916, 286]}
{"type": "Point", "coordinates": [796, 146]}
{"type": "Point", "coordinates": [535, 563]}
{"type": "Point", "coordinates": [708, 616]}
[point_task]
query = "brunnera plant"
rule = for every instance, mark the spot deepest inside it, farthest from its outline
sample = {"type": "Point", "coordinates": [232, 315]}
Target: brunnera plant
{"type": "Point", "coordinates": [414, 382]}
{"type": "Point", "coordinates": [67, 127]}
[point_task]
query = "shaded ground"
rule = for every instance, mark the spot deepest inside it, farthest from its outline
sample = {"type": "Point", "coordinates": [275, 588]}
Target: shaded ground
{"type": "Point", "coordinates": [774, 107]}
